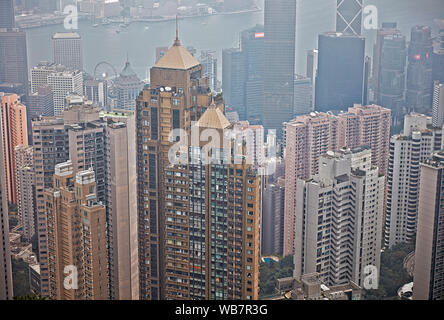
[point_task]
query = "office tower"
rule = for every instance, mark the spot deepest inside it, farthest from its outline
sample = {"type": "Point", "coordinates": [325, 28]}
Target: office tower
{"type": "Point", "coordinates": [429, 254]}
{"type": "Point", "coordinates": [273, 205]}
{"type": "Point", "coordinates": [279, 63]}
{"type": "Point", "coordinates": [312, 70]}
{"type": "Point", "coordinates": [368, 126]}
{"type": "Point", "coordinates": [419, 71]}
{"type": "Point", "coordinates": [50, 143]}
{"type": "Point", "coordinates": [233, 81]}
{"type": "Point", "coordinates": [302, 96]}
{"type": "Point", "coordinates": [63, 83]}
{"type": "Point", "coordinates": [76, 236]}
{"type": "Point", "coordinates": [178, 232]}
{"type": "Point", "coordinates": [390, 59]}
{"type": "Point", "coordinates": [349, 16]}
{"type": "Point", "coordinates": [24, 173]}
{"type": "Point", "coordinates": [438, 57]}
{"type": "Point", "coordinates": [40, 73]}
{"type": "Point", "coordinates": [67, 50]}
{"type": "Point", "coordinates": [417, 143]}
{"type": "Point", "coordinates": [121, 204]}
{"type": "Point", "coordinates": [343, 237]}
{"type": "Point", "coordinates": [13, 61]}
{"type": "Point", "coordinates": [40, 103]}
{"type": "Point", "coordinates": [15, 132]}
{"type": "Point", "coordinates": [97, 92]}
{"type": "Point", "coordinates": [7, 17]}
{"type": "Point", "coordinates": [253, 136]}
{"type": "Point", "coordinates": [340, 77]}
{"type": "Point", "coordinates": [160, 52]}
{"type": "Point", "coordinates": [252, 45]}
{"type": "Point", "coordinates": [438, 105]}
{"type": "Point", "coordinates": [128, 87]}
{"type": "Point", "coordinates": [6, 288]}
{"type": "Point", "coordinates": [208, 60]}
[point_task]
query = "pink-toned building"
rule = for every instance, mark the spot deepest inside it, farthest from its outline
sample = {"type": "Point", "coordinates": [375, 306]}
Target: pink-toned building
{"type": "Point", "coordinates": [15, 133]}
{"type": "Point", "coordinates": [308, 137]}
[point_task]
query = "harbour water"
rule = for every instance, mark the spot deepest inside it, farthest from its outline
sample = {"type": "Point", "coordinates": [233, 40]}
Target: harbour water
{"type": "Point", "coordinates": [139, 39]}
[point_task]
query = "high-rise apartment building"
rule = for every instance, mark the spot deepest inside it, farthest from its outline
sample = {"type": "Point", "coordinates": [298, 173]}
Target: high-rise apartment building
{"type": "Point", "coordinates": [97, 92]}
{"type": "Point", "coordinates": [349, 16]}
{"type": "Point", "coordinates": [208, 60]}
{"type": "Point", "coordinates": [25, 184]}
{"type": "Point", "coordinates": [63, 83]}
{"type": "Point", "coordinates": [128, 87]}
{"type": "Point", "coordinates": [343, 238]}
{"type": "Point", "coordinates": [310, 136]}
{"type": "Point", "coordinates": [7, 17]}
{"type": "Point", "coordinates": [438, 104]}
{"type": "Point", "coordinates": [389, 65]}
{"type": "Point", "coordinates": [121, 182]}
{"type": "Point", "coordinates": [15, 132]}
{"type": "Point", "coordinates": [13, 61]}
{"type": "Point", "coordinates": [198, 222]}
{"type": "Point", "coordinates": [76, 236]}
{"type": "Point", "coordinates": [279, 63]}
{"type": "Point", "coordinates": [40, 73]}
{"type": "Point", "coordinates": [340, 75]}
{"type": "Point", "coordinates": [429, 253]}
{"type": "Point", "coordinates": [6, 289]}
{"type": "Point", "coordinates": [419, 71]}
{"type": "Point", "coordinates": [67, 50]}
{"type": "Point", "coordinates": [407, 150]}
{"type": "Point", "coordinates": [50, 143]}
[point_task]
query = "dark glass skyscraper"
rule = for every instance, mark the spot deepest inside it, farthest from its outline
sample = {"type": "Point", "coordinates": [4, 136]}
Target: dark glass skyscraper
{"type": "Point", "coordinates": [419, 71]}
{"type": "Point", "coordinates": [279, 62]}
{"type": "Point", "coordinates": [438, 58]}
{"type": "Point", "coordinates": [7, 19]}
{"type": "Point", "coordinates": [233, 80]}
{"type": "Point", "coordinates": [349, 16]}
{"type": "Point", "coordinates": [340, 77]}
{"type": "Point", "coordinates": [390, 57]}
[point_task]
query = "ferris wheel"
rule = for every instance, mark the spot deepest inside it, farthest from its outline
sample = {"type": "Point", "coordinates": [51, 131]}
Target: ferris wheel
{"type": "Point", "coordinates": [104, 71]}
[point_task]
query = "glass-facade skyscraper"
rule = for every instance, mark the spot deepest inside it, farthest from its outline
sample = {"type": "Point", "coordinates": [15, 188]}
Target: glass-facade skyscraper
{"type": "Point", "coordinates": [349, 16]}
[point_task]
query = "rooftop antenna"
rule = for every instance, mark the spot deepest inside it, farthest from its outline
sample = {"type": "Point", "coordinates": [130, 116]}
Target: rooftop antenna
{"type": "Point", "coordinates": [177, 41]}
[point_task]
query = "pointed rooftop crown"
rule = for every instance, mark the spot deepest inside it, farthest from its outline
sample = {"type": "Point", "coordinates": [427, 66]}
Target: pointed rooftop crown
{"type": "Point", "coordinates": [177, 57]}
{"type": "Point", "coordinates": [213, 118]}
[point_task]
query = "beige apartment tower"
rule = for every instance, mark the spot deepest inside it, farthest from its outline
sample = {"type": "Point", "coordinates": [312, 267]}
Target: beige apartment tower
{"type": "Point", "coordinates": [76, 237]}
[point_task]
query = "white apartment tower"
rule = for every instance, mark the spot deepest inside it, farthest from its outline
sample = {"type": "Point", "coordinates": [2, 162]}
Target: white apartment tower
{"type": "Point", "coordinates": [338, 227]}
{"type": "Point", "coordinates": [438, 104]}
{"type": "Point", "coordinates": [407, 150]}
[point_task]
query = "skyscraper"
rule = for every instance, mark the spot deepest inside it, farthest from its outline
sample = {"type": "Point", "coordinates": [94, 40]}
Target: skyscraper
{"type": "Point", "coordinates": [438, 104]}
{"type": "Point", "coordinates": [76, 236]}
{"type": "Point", "coordinates": [25, 184]}
{"type": "Point", "coordinates": [63, 83]}
{"type": "Point", "coordinates": [340, 77]}
{"type": "Point", "coordinates": [419, 71]}
{"type": "Point", "coordinates": [188, 213]}
{"type": "Point", "coordinates": [208, 60]}
{"type": "Point", "coordinates": [234, 76]}
{"type": "Point", "coordinates": [13, 61]}
{"type": "Point", "coordinates": [128, 87]}
{"type": "Point", "coordinates": [347, 197]}
{"type": "Point", "coordinates": [6, 289]}
{"type": "Point", "coordinates": [438, 57]}
{"type": "Point", "coordinates": [279, 62]}
{"type": "Point", "coordinates": [390, 58]}
{"type": "Point", "coordinates": [7, 17]}
{"type": "Point", "coordinates": [407, 150]}
{"type": "Point", "coordinates": [67, 50]}
{"type": "Point", "coordinates": [429, 274]}
{"type": "Point", "coordinates": [302, 96]}
{"type": "Point", "coordinates": [349, 16]}
{"type": "Point", "coordinates": [15, 132]}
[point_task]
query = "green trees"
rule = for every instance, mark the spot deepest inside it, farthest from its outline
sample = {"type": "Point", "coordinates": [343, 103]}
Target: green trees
{"type": "Point", "coordinates": [271, 271]}
{"type": "Point", "coordinates": [392, 274]}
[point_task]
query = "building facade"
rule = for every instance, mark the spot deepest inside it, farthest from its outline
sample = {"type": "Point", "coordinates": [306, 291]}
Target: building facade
{"type": "Point", "coordinates": [67, 50]}
{"type": "Point", "coordinates": [127, 86]}
{"type": "Point", "coordinates": [339, 218]}
{"type": "Point", "coordinates": [428, 276]}
{"type": "Point", "coordinates": [349, 16]}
